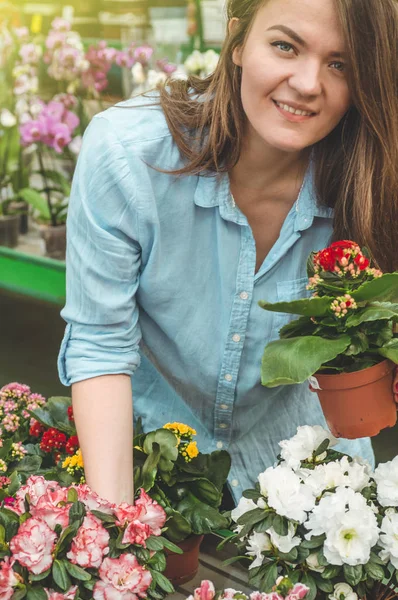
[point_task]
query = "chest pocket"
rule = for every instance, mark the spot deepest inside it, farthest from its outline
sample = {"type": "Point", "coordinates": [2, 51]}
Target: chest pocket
{"type": "Point", "coordinates": [286, 292]}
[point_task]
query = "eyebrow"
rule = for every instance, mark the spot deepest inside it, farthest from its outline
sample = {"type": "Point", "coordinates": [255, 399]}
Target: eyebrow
{"type": "Point", "coordinates": [299, 40]}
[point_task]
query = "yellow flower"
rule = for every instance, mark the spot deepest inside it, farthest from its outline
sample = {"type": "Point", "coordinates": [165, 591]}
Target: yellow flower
{"type": "Point", "coordinates": [180, 428]}
{"type": "Point", "coordinates": [192, 450]}
{"type": "Point", "coordinates": [75, 461]}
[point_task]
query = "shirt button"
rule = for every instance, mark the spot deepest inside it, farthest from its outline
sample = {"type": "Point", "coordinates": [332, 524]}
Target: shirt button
{"type": "Point", "coordinates": [244, 295]}
{"type": "Point", "coordinates": [223, 426]}
{"type": "Point", "coordinates": [235, 483]}
{"type": "Point", "coordinates": [228, 377]}
{"type": "Point", "coordinates": [236, 337]}
{"type": "Point", "coordinates": [219, 445]}
{"type": "Point", "coordinates": [224, 406]}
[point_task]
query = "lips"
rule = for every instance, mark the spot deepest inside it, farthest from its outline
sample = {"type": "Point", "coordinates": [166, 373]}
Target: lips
{"type": "Point", "coordinates": [294, 109]}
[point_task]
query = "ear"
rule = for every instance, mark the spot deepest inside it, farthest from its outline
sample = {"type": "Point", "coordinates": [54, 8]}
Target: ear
{"type": "Point", "coordinates": [237, 53]}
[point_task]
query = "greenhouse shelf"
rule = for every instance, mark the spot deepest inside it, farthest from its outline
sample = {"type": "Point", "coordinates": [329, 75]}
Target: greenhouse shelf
{"type": "Point", "coordinates": [35, 276]}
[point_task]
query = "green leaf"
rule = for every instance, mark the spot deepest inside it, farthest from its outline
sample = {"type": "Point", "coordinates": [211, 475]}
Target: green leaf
{"type": "Point", "coordinates": [170, 546]}
{"type": "Point", "coordinates": [162, 582]}
{"type": "Point", "coordinates": [20, 592]}
{"type": "Point", "coordinates": [38, 201]}
{"type": "Point", "coordinates": [266, 524]}
{"type": "Point", "coordinates": [308, 307]}
{"type": "Point", "coordinates": [168, 444]}
{"type": "Point", "coordinates": [104, 517]}
{"type": "Point", "coordinates": [324, 585]}
{"type": "Point", "coordinates": [251, 495]}
{"type": "Point", "coordinates": [323, 446]}
{"type": "Point", "coordinates": [59, 179]}
{"type": "Point", "coordinates": [178, 527]}
{"type": "Point", "coordinates": [390, 350]}
{"type": "Point", "coordinates": [207, 491]}
{"type": "Point", "coordinates": [251, 517]}
{"type": "Point", "coordinates": [5, 448]}
{"type": "Point", "coordinates": [202, 517]}
{"type": "Point", "coordinates": [60, 575]}
{"type": "Point", "coordinates": [29, 464]}
{"type": "Point", "coordinates": [150, 468]}
{"type": "Point", "coordinates": [75, 571]}
{"type": "Point", "coordinates": [293, 360]}
{"type": "Point", "coordinates": [40, 576]}
{"type": "Point", "coordinates": [154, 543]}
{"type": "Point", "coordinates": [331, 571]}
{"type": "Point", "coordinates": [55, 414]}
{"type": "Point", "coordinates": [310, 582]}
{"type": "Point", "coordinates": [314, 542]}
{"type": "Point", "coordinates": [14, 484]}
{"type": "Point", "coordinates": [269, 578]}
{"type": "Point", "coordinates": [280, 524]}
{"type": "Point", "coordinates": [353, 575]}
{"type": "Point", "coordinates": [377, 311]}
{"type": "Point", "coordinates": [382, 289]}
{"type": "Point", "coordinates": [77, 513]}
{"type": "Point", "coordinates": [375, 571]}
{"type": "Point", "coordinates": [36, 593]}
{"type": "Point", "coordinates": [301, 326]}
{"type": "Point", "coordinates": [72, 495]}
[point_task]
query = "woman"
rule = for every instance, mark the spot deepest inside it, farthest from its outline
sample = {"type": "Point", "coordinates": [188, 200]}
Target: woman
{"type": "Point", "coordinates": [188, 209]}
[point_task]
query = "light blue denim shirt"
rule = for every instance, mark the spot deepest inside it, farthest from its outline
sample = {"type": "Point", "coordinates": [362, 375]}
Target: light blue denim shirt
{"type": "Point", "coordinates": [161, 285]}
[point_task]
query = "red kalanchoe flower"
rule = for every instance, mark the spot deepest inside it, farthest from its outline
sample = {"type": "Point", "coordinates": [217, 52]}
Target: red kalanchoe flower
{"type": "Point", "coordinates": [36, 429]}
{"type": "Point", "coordinates": [362, 262]}
{"type": "Point", "coordinates": [70, 413]}
{"type": "Point", "coordinates": [72, 445]}
{"type": "Point", "coordinates": [52, 440]}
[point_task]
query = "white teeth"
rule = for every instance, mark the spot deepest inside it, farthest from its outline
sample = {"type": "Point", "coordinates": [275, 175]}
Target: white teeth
{"type": "Point", "coordinates": [293, 111]}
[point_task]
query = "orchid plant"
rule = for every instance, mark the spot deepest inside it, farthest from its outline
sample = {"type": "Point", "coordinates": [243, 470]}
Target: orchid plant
{"type": "Point", "coordinates": [346, 325]}
{"type": "Point", "coordinates": [321, 518]}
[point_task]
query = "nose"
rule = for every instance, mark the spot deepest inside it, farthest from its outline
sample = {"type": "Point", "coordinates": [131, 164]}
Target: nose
{"type": "Point", "coordinates": [306, 79]}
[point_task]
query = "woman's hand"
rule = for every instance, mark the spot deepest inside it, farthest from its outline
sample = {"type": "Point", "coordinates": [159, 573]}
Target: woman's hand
{"type": "Point", "coordinates": [395, 384]}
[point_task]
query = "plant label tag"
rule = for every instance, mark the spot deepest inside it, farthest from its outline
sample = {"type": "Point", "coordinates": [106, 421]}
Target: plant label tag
{"type": "Point", "coordinates": [314, 383]}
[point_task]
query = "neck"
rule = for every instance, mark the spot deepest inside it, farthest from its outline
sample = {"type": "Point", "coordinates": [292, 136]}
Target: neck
{"type": "Point", "coordinates": [261, 167]}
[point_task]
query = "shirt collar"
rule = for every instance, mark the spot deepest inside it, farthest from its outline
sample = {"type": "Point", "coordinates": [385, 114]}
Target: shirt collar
{"type": "Point", "coordinates": [215, 190]}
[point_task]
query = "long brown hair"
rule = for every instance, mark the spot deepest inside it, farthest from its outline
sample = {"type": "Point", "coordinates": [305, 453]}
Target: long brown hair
{"type": "Point", "coordinates": [356, 165]}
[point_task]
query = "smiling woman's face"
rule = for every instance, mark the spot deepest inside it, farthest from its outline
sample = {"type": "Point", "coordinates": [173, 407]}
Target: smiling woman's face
{"type": "Point", "coordinates": [293, 60]}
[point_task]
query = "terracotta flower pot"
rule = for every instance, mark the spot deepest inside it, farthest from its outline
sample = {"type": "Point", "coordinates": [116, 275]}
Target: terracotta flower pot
{"type": "Point", "coordinates": [55, 240]}
{"type": "Point", "coordinates": [181, 568]}
{"type": "Point", "coordinates": [9, 230]}
{"type": "Point", "coordinates": [359, 404]}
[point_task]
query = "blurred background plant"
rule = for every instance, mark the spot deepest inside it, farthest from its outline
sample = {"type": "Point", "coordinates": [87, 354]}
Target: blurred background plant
{"type": "Point", "coordinates": [51, 84]}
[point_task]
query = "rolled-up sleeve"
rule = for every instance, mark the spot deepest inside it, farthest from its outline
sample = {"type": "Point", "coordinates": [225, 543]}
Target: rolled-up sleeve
{"type": "Point", "coordinates": [102, 263]}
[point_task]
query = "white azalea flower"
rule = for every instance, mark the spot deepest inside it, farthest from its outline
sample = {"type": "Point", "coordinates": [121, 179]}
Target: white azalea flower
{"type": "Point", "coordinates": [286, 493]}
{"type": "Point", "coordinates": [257, 544]}
{"type": "Point", "coordinates": [7, 119]}
{"type": "Point", "coordinates": [389, 538]}
{"type": "Point", "coordinates": [336, 474]}
{"type": "Point", "coordinates": [343, 591]}
{"type": "Point", "coordinates": [304, 443]}
{"type": "Point", "coordinates": [244, 506]}
{"type": "Point", "coordinates": [313, 563]}
{"type": "Point", "coordinates": [285, 543]}
{"type": "Point", "coordinates": [350, 539]}
{"type": "Point", "coordinates": [261, 503]}
{"type": "Point", "coordinates": [331, 508]}
{"type": "Point", "coordinates": [386, 477]}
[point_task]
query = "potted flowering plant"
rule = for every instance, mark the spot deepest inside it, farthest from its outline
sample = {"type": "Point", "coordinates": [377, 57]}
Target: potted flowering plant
{"type": "Point", "coordinates": [66, 542]}
{"type": "Point", "coordinates": [345, 337]}
{"type": "Point", "coordinates": [187, 484]}
{"type": "Point", "coordinates": [283, 589]}
{"type": "Point", "coordinates": [167, 465]}
{"type": "Point", "coordinates": [322, 519]}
